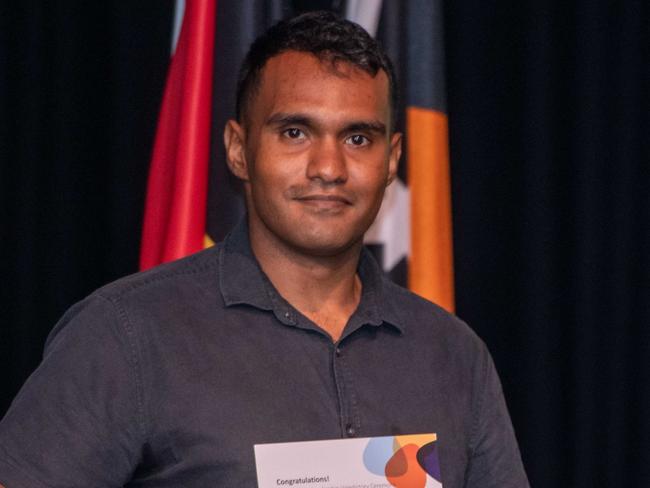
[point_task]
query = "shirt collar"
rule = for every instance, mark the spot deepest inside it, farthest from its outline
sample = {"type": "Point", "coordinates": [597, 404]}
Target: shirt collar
{"type": "Point", "coordinates": [242, 282]}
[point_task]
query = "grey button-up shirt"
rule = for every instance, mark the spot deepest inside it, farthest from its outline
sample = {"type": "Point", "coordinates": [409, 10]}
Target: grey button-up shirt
{"type": "Point", "coordinates": [168, 378]}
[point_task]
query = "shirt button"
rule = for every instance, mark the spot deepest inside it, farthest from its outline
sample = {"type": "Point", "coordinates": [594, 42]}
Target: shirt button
{"type": "Point", "coordinates": [349, 430]}
{"type": "Point", "coordinates": [338, 352]}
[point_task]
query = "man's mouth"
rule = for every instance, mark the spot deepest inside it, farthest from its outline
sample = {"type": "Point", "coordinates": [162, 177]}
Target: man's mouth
{"type": "Point", "coordinates": [326, 197]}
{"type": "Point", "coordinates": [324, 201]}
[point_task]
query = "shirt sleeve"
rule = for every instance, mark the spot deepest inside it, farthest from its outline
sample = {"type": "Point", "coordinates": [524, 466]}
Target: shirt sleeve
{"type": "Point", "coordinates": [495, 461]}
{"type": "Point", "coordinates": [78, 420]}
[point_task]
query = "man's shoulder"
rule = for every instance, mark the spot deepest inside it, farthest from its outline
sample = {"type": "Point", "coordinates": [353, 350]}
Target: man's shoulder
{"type": "Point", "coordinates": [426, 320]}
{"type": "Point", "coordinates": [415, 303]}
{"type": "Point", "coordinates": [161, 292]}
{"type": "Point", "coordinates": [199, 270]}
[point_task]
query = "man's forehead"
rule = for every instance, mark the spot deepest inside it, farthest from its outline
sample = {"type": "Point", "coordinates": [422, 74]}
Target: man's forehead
{"type": "Point", "coordinates": [298, 78]}
{"type": "Point", "coordinates": [288, 63]}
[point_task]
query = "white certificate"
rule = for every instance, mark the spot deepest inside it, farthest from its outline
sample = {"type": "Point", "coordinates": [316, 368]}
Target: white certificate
{"type": "Point", "coordinates": [406, 461]}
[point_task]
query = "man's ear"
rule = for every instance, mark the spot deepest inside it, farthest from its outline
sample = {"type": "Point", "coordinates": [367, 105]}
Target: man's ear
{"type": "Point", "coordinates": [393, 156]}
{"type": "Point", "coordinates": [234, 138]}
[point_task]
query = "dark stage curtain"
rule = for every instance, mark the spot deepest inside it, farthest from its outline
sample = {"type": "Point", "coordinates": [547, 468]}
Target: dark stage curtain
{"type": "Point", "coordinates": [80, 88]}
{"type": "Point", "coordinates": [549, 136]}
{"type": "Point", "coordinates": [548, 106]}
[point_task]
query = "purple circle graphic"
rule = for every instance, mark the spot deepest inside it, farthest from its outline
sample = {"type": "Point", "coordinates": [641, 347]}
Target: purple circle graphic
{"type": "Point", "coordinates": [427, 457]}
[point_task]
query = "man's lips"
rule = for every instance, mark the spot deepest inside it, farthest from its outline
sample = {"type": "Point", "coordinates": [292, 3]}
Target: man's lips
{"type": "Point", "coordinates": [324, 200]}
{"type": "Point", "coordinates": [318, 197]}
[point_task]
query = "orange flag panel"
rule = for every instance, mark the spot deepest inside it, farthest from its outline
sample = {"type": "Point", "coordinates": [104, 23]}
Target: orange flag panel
{"type": "Point", "coordinates": [431, 261]}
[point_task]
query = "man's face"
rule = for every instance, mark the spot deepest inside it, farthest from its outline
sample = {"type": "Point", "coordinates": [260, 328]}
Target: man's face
{"type": "Point", "coordinates": [315, 153]}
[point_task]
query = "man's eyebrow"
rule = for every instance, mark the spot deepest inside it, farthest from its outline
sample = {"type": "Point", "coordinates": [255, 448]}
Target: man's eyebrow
{"type": "Point", "coordinates": [282, 118]}
{"type": "Point", "coordinates": [286, 119]}
{"type": "Point", "coordinates": [366, 126]}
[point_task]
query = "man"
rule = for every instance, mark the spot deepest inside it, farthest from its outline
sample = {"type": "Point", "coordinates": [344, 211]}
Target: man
{"type": "Point", "coordinates": [286, 331]}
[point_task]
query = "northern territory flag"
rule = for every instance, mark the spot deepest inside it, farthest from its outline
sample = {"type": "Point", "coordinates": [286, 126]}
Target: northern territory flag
{"type": "Point", "coordinates": [415, 219]}
{"type": "Point", "coordinates": [193, 201]}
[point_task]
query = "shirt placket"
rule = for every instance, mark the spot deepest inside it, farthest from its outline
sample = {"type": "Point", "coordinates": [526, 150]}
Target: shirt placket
{"type": "Point", "coordinates": [349, 420]}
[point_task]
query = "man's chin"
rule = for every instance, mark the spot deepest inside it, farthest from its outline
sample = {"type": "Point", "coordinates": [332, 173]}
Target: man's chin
{"type": "Point", "coordinates": [327, 246]}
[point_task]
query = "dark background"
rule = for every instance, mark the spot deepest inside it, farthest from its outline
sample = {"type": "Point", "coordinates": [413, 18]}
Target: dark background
{"type": "Point", "coordinates": [548, 105]}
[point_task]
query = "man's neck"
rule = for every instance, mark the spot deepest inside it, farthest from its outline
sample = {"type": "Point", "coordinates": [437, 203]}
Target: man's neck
{"type": "Point", "coordinates": [325, 289]}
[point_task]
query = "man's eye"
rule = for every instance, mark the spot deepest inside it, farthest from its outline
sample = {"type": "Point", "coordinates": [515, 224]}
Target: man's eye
{"type": "Point", "coordinates": [358, 140]}
{"type": "Point", "coordinates": [294, 133]}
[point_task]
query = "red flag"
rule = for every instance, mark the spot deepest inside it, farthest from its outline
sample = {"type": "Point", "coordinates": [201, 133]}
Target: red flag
{"type": "Point", "coordinates": [175, 209]}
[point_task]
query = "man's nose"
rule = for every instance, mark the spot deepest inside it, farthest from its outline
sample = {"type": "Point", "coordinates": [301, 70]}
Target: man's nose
{"type": "Point", "coordinates": [327, 162]}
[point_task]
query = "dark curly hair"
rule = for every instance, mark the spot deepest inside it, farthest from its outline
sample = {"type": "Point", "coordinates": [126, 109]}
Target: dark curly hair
{"type": "Point", "coordinates": [323, 34]}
